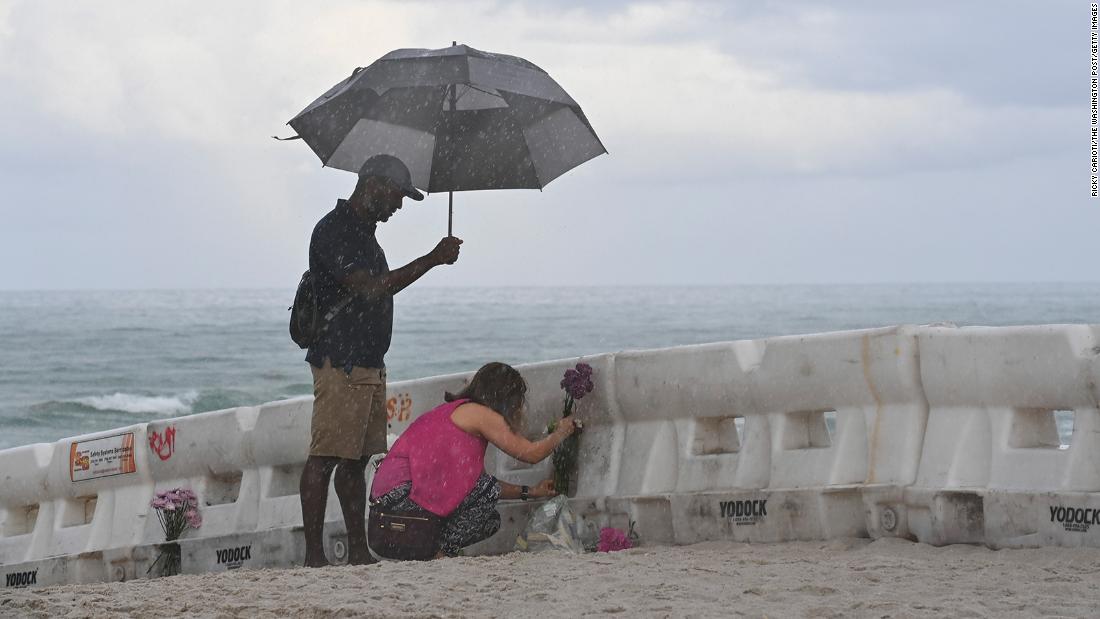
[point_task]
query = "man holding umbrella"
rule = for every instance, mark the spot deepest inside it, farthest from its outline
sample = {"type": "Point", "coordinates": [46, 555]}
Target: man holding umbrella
{"type": "Point", "coordinates": [450, 119]}
{"type": "Point", "coordinates": [354, 286]}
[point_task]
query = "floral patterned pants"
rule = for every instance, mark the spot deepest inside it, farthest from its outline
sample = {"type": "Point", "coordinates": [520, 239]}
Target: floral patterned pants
{"type": "Point", "coordinates": [475, 519]}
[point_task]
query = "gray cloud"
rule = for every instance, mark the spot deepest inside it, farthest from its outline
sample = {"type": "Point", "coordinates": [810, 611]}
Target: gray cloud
{"type": "Point", "coordinates": [774, 142]}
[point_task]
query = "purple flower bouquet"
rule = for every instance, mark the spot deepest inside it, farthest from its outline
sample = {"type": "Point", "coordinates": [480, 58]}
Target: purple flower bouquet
{"type": "Point", "coordinates": [577, 383]}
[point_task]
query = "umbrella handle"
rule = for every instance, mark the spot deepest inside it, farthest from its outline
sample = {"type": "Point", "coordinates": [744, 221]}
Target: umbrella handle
{"type": "Point", "coordinates": [451, 194]}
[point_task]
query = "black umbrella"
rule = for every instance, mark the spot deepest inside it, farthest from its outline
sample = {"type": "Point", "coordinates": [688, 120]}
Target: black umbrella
{"type": "Point", "coordinates": [461, 119]}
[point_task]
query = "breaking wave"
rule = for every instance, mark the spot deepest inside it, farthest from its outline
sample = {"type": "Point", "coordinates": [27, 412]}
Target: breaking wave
{"type": "Point", "coordinates": [143, 404]}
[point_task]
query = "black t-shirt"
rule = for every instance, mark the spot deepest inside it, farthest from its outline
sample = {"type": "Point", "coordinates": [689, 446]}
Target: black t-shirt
{"type": "Point", "coordinates": [359, 334]}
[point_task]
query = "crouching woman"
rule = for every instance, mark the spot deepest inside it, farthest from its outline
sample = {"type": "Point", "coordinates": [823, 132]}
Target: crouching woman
{"type": "Point", "coordinates": [437, 465]}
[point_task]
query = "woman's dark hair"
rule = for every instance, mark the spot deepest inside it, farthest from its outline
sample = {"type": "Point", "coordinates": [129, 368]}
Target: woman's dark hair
{"type": "Point", "coordinates": [500, 387]}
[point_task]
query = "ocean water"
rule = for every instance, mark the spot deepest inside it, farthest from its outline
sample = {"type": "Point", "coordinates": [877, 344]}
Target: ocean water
{"type": "Point", "coordinates": [78, 362]}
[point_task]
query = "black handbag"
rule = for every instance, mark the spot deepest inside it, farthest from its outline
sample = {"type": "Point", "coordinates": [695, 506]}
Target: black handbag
{"type": "Point", "coordinates": [406, 536]}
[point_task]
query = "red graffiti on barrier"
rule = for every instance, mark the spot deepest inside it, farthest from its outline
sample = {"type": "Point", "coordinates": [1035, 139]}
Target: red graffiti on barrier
{"type": "Point", "coordinates": [164, 445]}
{"type": "Point", "coordinates": [399, 407]}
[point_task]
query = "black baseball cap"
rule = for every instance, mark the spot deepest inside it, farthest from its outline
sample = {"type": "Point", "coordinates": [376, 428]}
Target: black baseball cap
{"type": "Point", "coordinates": [394, 170]}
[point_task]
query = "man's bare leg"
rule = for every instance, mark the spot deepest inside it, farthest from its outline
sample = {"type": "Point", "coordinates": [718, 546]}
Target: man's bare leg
{"type": "Point", "coordinates": [313, 490]}
{"type": "Point", "coordinates": [351, 488]}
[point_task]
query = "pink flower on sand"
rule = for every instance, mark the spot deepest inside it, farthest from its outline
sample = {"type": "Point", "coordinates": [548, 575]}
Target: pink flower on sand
{"type": "Point", "coordinates": [612, 540]}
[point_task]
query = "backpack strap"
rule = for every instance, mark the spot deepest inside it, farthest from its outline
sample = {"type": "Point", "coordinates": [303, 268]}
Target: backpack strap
{"type": "Point", "coordinates": [339, 306]}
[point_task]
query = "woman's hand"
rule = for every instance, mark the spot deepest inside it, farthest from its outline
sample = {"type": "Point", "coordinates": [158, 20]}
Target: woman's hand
{"type": "Point", "coordinates": [565, 427]}
{"type": "Point", "coordinates": [544, 489]}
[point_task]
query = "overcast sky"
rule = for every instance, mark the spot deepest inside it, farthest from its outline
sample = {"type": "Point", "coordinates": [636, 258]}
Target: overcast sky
{"type": "Point", "coordinates": [750, 142]}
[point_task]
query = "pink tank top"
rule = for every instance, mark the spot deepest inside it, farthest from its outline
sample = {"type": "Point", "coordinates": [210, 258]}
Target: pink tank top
{"type": "Point", "coordinates": [441, 459]}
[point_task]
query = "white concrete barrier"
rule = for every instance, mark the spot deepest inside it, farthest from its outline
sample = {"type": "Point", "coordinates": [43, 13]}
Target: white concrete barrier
{"type": "Point", "coordinates": [91, 497]}
{"type": "Point", "coordinates": [24, 500]}
{"type": "Point", "coordinates": [740, 437]}
{"type": "Point", "coordinates": [845, 412]}
{"type": "Point", "coordinates": [687, 426]}
{"type": "Point", "coordinates": [937, 434]}
{"type": "Point", "coordinates": [868, 382]}
{"type": "Point", "coordinates": [993, 469]}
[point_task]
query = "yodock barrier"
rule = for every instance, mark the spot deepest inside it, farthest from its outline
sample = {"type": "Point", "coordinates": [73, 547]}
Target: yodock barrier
{"type": "Point", "coordinates": [937, 434]}
{"type": "Point", "coordinates": [993, 469]}
{"type": "Point", "coordinates": [769, 440]}
{"type": "Point", "coordinates": [78, 499]}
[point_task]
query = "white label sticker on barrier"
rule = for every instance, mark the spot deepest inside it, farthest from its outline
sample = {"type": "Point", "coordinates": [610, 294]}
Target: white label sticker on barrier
{"type": "Point", "coordinates": [102, 457]}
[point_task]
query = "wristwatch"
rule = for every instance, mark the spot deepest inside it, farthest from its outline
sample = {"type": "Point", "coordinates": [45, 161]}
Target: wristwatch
{"type": "Point", "coordinates": [524, 493]}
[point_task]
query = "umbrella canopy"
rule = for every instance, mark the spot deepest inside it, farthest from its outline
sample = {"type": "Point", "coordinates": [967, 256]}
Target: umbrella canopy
{"type": "Point", "coordinates": [461, 119]}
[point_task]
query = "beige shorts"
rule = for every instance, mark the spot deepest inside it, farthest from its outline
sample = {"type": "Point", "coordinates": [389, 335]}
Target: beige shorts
{"type": "Point", "coordinates": [349, 412]}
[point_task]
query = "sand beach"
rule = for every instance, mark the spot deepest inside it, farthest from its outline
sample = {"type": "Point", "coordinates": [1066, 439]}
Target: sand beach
{"type": "Point", "coordinates": [841, 578]}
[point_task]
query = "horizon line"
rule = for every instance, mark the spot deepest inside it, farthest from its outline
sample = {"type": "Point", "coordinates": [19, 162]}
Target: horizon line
{"type": "Point", "coordinates": [588, 286]}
